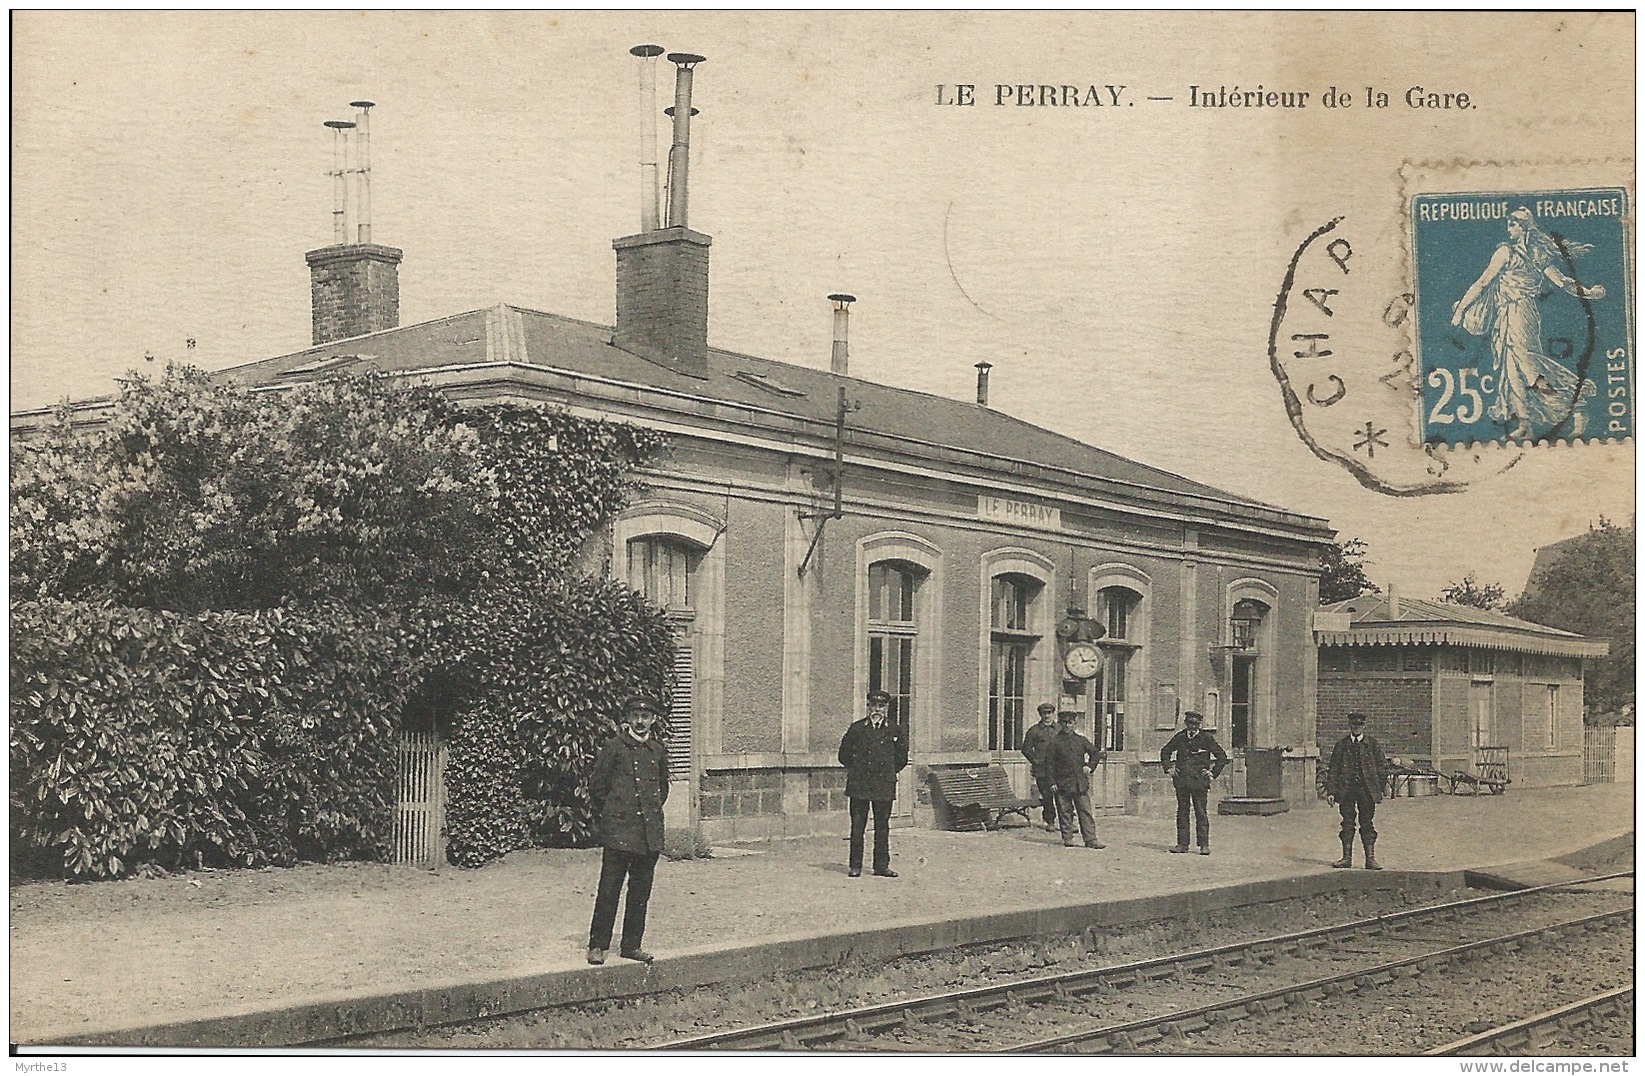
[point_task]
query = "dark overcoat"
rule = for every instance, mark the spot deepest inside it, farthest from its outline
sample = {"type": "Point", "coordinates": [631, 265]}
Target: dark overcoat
{"type": "Point", "coordinates": [628, 786]}
{"type": "Point", "coordinates": [1069, 758]}
{"type": "Point", "coordinates": [1036, 747]}
{"type": "Point", "coordinates": [1200, 760]}
{"type": "Point", "coordinates": [872, 758]}
{"type": "Point", "coordinates": [1357, 770]}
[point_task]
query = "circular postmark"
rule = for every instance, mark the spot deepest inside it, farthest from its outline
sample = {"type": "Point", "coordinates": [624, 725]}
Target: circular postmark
{"type": "Point", "coordinates": [1340, 348]}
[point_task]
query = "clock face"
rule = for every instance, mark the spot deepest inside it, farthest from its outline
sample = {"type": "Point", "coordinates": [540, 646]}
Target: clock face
{"type": "Point", "coordinates": [1083, 660]}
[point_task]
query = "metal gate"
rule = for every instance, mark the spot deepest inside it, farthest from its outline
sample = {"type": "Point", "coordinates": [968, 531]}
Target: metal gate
{"type": "Point", "coordinates": [1598, 754]}
{"type": "Point", "coordinates": [420, 806]}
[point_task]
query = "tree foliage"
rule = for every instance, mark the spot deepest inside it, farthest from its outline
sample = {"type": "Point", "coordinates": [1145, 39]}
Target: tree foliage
{"type": "Point", "coordinates": [400, 535]}
{"type": "Point", "coordinates": [1589, 589]}
{"type": "Point", "coordinates": [1471, 592]}
{"type": "Point", "coordinates": [1342, 571]}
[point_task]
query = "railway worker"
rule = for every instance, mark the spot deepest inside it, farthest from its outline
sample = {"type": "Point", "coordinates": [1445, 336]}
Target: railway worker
{"type": "Point", "coordinates": [628, 785]}
{"type": "Point", "coordinates": [1354, 781]}
{"type": "Point", "coordinates": [873, 751]}
{"type": "Point", "coordinates": [1199, 760]}
{"type": "Point", "coordinates": [1036, 747]}
{"type": "Point", "coordinates": [1072, 758]}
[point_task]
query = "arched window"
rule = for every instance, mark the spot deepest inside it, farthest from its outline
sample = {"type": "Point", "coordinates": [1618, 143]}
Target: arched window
{"type": "Point", "coordinates": [674, 556]}
{"type": "Point", "coordinates": [1118, 611]}
{"type": "Point", "coordinates": [661, 567]}
{"type": "Point", "coordinates": [1013, 639]}
{"type": "Point", "coordinates": [1245, 693]}
{"type": "Point", "coordinates": [893, 633]}
{"type": "Point", "coordinates": [1119, 602]}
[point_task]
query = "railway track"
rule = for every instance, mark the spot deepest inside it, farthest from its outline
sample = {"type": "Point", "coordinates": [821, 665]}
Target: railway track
{"type": "Point", "coordinates": [958, 1019]}
{"type": "Point", "coordinates": [1534, 1033]}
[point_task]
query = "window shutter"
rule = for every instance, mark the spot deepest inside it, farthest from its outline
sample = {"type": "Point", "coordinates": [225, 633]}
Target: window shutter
{"type": "Point", "coordinates": [679, 714]}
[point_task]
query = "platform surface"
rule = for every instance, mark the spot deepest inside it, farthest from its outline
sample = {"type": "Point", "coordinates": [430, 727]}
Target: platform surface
{"type": "Point", "coordinates": [259, 954]}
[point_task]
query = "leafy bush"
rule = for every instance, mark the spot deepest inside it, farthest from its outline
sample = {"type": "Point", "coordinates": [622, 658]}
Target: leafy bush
{"type": "Point", "coordinates": [411, 533]}
{"type": "Point", "coordinates": [559, 669]}
{"type": "Point", "coordinates": [221, 739]}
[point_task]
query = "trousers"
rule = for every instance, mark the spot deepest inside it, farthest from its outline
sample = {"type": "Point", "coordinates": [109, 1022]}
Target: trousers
{"type": "Point", "coordinates": [1072, 807]}
{"type": "Point", "coordinates": [1048, 798]}
{"type": "Point", "coordinates": [1194, 799]}
{"type": "Point", "coordinates": [1365, 808]}
{"type": "Point", "coordinates": [882, 832]}
{"type": "Point", "coordinates": [615, 865]}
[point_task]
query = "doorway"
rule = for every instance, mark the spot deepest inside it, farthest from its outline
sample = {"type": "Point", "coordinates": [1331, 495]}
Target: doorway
{"type": "Point", "coordinates": [419, 837]}
{"type": "Point", "coordinates": [1240, 702]}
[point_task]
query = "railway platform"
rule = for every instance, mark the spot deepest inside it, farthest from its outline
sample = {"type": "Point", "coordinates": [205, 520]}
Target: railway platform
{"type": "Point", "coordinates": [274, 958]}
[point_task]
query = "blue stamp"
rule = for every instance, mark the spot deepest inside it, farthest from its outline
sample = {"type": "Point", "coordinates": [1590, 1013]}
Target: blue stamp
{"type": "Point", "coordinates": [1524, 328]}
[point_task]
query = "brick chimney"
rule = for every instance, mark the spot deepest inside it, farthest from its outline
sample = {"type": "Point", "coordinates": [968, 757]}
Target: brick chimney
{"type": "Point", "coordinates": [662, 298]}
{"type": "Point", "coordinates": [355, 289]}
{"type": "Point", "coordinates": [662, 273]}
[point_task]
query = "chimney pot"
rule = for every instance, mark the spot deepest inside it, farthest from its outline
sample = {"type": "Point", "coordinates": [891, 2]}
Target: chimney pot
{"type": "Point", "coordinates": [1393, 602]}
{"type": "Point", "coordinates": [982, 382]}
{"type": "Point", "coordinates": [840, 360]}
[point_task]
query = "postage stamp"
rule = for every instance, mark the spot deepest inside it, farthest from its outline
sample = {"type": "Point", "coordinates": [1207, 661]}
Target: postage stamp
{"type": "Point", "coordinates": [1522, 318]}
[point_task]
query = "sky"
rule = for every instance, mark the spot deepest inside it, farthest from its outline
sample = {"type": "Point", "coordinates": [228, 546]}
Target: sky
{"type": "Point", "coordinates": [1118, 264]}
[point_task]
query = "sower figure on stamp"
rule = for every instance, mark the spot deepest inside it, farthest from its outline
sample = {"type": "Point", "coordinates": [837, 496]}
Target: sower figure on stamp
{"type": "Point", "coordinates": [1199, 761]}
{"type": "Point", "coordinates": [628, 786]}
{"type": "Point", "coordinates": [1036, 747]}
{"type": "Point", "coordinates": [1354, 781]}
{"type": "Point", "coordinates": [873, 752]}
{"type": "Point", "coordinates": [1072, 760]}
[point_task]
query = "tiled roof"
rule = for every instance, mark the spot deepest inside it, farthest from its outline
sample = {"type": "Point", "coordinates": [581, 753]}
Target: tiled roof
{"type": "Point", "coordinates": [1372, 623]}
{"type": "Point", "coordinates": [511, 335]}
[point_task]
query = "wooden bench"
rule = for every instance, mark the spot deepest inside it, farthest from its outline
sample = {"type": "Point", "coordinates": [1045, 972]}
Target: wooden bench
{"type": "Point", "coordinates": [979, 798]}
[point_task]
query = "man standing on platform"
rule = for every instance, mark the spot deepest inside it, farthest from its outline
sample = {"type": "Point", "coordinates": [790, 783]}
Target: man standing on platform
{"type": "Point", "coordinates": [1199, 761]}
{"type": "Point", "coordinates": [1354, 782]}
{"type": "Point", "coordinates": [1072, 760]}
{"type": "Point", "coordinates": [1036, 747]}
{"type": "Point", "coordinates": [628, 785]}
{"type": "Point", "coordinates": [873, 752]}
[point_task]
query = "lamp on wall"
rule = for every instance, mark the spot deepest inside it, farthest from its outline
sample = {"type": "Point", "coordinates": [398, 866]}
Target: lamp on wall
{"type": "Point", "coordinates": [1244, 631]}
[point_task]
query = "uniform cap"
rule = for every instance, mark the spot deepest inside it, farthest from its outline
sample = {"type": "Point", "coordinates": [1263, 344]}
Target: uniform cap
{"type": "Point", "coordinates": [1356, 719]}
{"type": "Point", "coordinates": [641, 706]}
{"type": "Point", "coordinates": [879, 696]}
{"type": "Point", "coordinates": [1067, 716]}
{"type": "Point", "coordinates": [1048, 707]}
{"type": "Point", "coordinates": [1193, 716]}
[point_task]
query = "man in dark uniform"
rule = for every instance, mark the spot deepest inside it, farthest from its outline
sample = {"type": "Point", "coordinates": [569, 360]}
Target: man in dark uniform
{"type": "Point", "coordinates": [1199, 761]}
{"type": "Point", "coordinates": [1072, 758]}
{"type": "Point", "coordinates": [873, 751]}
{"type": "Point", "coordinates": [1036, 747]}
{"type": "Point", "coordinates": [628, 785]}
{"type": "Point", "coordinates": [1354, 781]}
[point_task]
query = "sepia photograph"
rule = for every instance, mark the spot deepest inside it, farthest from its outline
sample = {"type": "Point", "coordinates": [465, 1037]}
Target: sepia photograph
{"type": "Point", "coordinates": [861, 533]}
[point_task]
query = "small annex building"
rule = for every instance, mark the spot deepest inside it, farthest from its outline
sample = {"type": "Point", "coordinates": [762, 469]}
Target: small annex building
{"type": "Point", "coordinates": [1439, 681]}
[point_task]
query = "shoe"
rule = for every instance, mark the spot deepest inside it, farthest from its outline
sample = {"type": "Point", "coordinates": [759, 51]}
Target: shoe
{"type": "Point", "coordinates": [854, 872]}
{"type": "Point", "coordinates": [1178, 850]}
{"type": "Point", "coordinates": [596, 956]}
{"type": "Point", "coordinates": [638, 954]}
{"type": "Point", "coordinates": [1095, 844]}
{"type": "Point", "coordinates": [1050, 827]}
{"type": "Point", "coordinates": [1069, 844]}
{"type": "Point", "coordinates": [1204, 851]}
{"type": "Point", "coordinates": [886, 873]}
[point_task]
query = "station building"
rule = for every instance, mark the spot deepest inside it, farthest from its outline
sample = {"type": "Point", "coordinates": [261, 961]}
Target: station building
{"type": "Point", "coordinates": [1441, 681]}
{"type": "Point", "coordinates": [815, 535]}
